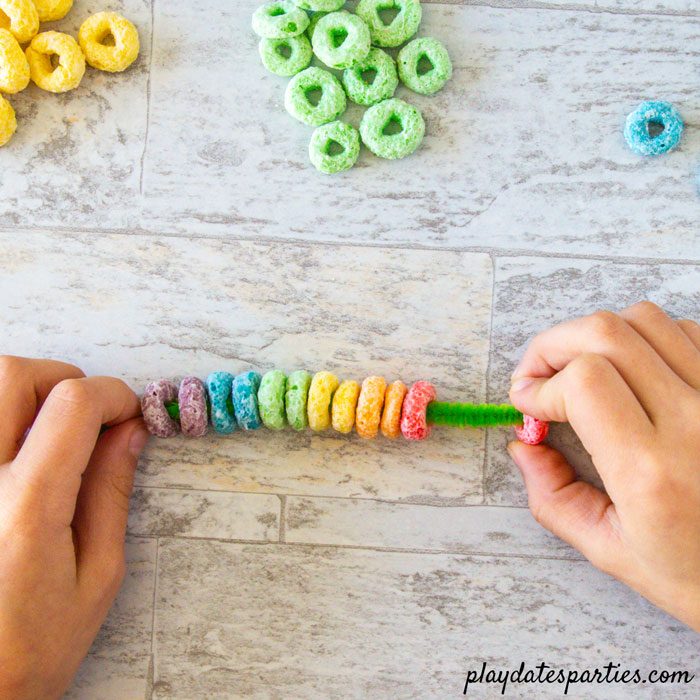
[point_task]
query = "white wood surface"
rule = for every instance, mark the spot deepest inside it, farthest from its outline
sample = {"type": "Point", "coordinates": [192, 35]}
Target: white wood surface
{"type": "Point", "coordinates": [166, 221]}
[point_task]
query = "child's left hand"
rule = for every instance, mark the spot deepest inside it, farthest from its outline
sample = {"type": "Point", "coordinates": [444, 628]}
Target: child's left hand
{"type": "Point", "coordinates": [64, 497]}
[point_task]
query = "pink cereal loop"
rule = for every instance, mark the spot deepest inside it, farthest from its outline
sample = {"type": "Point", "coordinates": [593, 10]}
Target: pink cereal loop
{"type": "Point", "coordinates": [192, 399]}
{"type": "Point", "coordinates": [533, 431]}
{"type": "Point", "coordinates": [155, 416]}
{"type": "Point", "coordinates": [414, 425]}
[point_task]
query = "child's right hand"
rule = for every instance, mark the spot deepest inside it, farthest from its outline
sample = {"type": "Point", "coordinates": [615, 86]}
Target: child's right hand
{"type": "Point", "coordinates": [629, 385]}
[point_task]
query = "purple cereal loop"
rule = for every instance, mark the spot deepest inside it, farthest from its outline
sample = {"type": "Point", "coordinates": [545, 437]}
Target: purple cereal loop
{"type": "Point", "coordinates": [192, 398]}
{"type": "Point", "coordinates": [155, 415]}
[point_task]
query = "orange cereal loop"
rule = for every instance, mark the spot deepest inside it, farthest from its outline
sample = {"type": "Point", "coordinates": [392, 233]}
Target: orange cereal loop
{"type": "Point", "coordinates": [51, 10]}
{"type": "Point", "coordinates": [344, 403]}
{"type": "Point", "coordinates": [56, 62]}
{"type": "Point", "coordinates": [8, 122]}
{"type": "Point", "coordinates": [393, 402]}
{"type": "Point", "coordinates": [20, 17]}
{"type": "Point", "coordinates": [323, 386]}
{"type": "Point", "coordinates": [110, 42]}
{"type": "Point", "coordinates": [14, 68]}
{"type": "Point", "coordinates": [369, 407]}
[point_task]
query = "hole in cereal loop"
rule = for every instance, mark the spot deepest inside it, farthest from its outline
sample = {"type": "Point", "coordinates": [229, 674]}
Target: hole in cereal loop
{"type": "Point", "coordinates": [284, 50]}
{"type": "Point", "coordinates": [276, 11]}
{"type": "Point", "coordinates": [655, 129]}
{"type": "Point", "coordinates": [424, 65]}
{"type": "Point", "coordinates": [393, 126]}
{"type": "Point", "coordinates": [387, 14]}
{"type": "Point", "coordinates": [368, 76]}
{"type": "Point", "coordinates": [338, 36]}
{"type": "Point", "coordinates": [333, 148]}
{"type": "Point", "coordinates": [313, 95]}
{"type": "Point", "coordinates": [107, 39]}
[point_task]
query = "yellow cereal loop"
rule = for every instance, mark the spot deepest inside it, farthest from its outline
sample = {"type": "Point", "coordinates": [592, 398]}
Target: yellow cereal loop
{"type": "Point", "coordinates": [369, 407]}
{"type": "Point", "coordinates": [8, 122]}
{"type": "Point", "coordinates": [14, 69]}
{"type": "Point", "coordinates": [51, 10]}
{"type": "Point", "coordinates": [393, 403]}
{"type": "Point", "coordinates": [323, 385]}
{"type": "Point", "coordinates": [56, 62]}
{"type": "Point", "coordinates": [110, 42]}
{"type": "Point", "coordinates": [343, 408]}
{"type": "Point", "coordinates": [20, 17]}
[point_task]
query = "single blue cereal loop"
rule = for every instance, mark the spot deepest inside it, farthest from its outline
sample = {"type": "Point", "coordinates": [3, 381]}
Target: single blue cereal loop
{"type": "Point", "coordinates": [661, 114]}
{"type": "Point", "coordinates": [223, 419]}
{"type": "Point", "coordinates": [244, 392]}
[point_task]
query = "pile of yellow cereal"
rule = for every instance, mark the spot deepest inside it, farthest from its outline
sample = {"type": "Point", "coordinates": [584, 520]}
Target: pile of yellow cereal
{"type": "Point", "coordinates": [53, 60]}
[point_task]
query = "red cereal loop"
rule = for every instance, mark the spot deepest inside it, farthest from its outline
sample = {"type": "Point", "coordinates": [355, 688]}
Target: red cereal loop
{"type": "Point", "coordinates": [533, 431]}
{"type": "Point", "coordinates": [414, 425]}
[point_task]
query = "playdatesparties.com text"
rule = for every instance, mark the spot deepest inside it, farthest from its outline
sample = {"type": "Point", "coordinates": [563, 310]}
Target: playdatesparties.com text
{"type": "Point", "coordinates": [570, 678]}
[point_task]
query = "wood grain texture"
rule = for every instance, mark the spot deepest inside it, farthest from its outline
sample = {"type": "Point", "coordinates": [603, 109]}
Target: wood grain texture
{"type": "Point", "coordinates": [194, 309]}
{"type": "Point", "coordinates": [524, 146]}
{"type": "Point", "coordinates": [306, 622]}
{"type": "Point", "coordinates": [534, 294]}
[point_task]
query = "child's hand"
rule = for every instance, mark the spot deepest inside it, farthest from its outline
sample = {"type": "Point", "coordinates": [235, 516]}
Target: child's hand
{"type": "Point", "coordinates": [629, 385]}
{"type": "Point", "coordinates": [64, 495]}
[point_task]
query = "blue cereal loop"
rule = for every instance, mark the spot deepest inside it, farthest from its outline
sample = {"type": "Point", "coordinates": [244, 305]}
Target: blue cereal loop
{"type": "Point", "coordinates": [222, 417]}
{"type": "Point", "coordinates": [244, 393]}
{"type": "Point", "coordinates": [663, 114]}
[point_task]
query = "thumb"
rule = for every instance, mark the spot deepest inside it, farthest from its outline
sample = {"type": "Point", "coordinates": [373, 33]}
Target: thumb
{"type": "Point", "coordinates": [573, 510]}
{"type": "Point", "coordinates": [103, 501]}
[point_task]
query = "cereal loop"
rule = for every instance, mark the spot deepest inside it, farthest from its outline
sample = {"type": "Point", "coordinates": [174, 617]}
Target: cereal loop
{"type": "Point", "coordinates": [244, 394]}
{"type": "Point", "coordinates": [285, 57]}
{"type": "Point", "coordinates": [71, 63]}
{"type": "Point", "coordinates": [341, 39]}
{"type": "Point", "coordinates": [8, 121]}
{"type": "Point", "coordinates": [223, 419]}
{"type": "Point", "coordinates": [371, 80]}
{"type": "Point", "coordinates": [304, 87]}
{"type": "Point", "coordinates": [369, 407]}
{"type": "Point", "coordinates": [533, 431]}
{"type": "Point", "coordinates": [192, 400]}
{"type": "Point", "coordinates": [401, 28]}
{"type": "Point", "coordinates": [662, 115]}
{"type": "Point", "coordinates": [20, 17]}
{"type": "Point", "coordinates": [424, 65]}
{"type": "Point", "coordinates": [393, 403]}
{"type": "Point", "coordinates": [323, 385]}
{"type": "Point", "coordinates": [334, 147]}
{"type": "Point", "coordinates": [277, 20]}
{"type": "Point", "coordinates": [271, 399]}
{"type": "Point", "coordinates": [295, 399]}
{"type": "Point", "coordinates": [343, 408]}
{"type": "Point", "coordinates": [51, 10]}
{"type": "Point", "coordinates": [110, 42]}
{"type": "Point", "coordinates": [14, 67]}
{"type": "Point", "coordinates": [155, 415]}
{"type": "Point", "coordinates": [414, 425]}
{"type": "Point", "coordinates": [392, 129]}
{"type": "Point", "coordinates": [317, 6]}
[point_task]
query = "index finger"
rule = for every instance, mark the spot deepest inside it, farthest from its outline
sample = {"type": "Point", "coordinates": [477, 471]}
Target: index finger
{"type": "Point", "coordinates": [24, 386]}
{"type": "Point", "coordinates": [61, 441]}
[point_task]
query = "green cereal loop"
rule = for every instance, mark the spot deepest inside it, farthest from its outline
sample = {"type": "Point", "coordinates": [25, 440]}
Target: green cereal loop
{"type": "Point", "coordinates": [319, 5]}
{"type": "Point", "coordinates": [279, 19]}
{"type": "Point", "coordinates": [383, 85]}
{"type": "Point", "coordinates": [271, 399]}
{"type": "Point", "coordinates": [273, 58]}
{"type": "Point", "coordinates": [404, 25]}
{"type": "Point", "coordinates": [331, 103]}
{"type": "Point", "coordinates": [298, 384]}
{"type": "Point", "coordinates": [334, 135]}
{"type": "Point", "coordinates": [341, 39]}
{"type": "Point", "coordinates": [314, 17]}
{"type": "Point", "coordinates": [437, 61]}
{"type": "Point", "coordinates": [392, 129]}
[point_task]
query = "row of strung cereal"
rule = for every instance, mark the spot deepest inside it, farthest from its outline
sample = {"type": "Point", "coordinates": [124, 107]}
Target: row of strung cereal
{"type": "Point", "coordinates": [249, 401]}
{"type": "Point", "coordinates": [55, 61]}
{"type": "Point", "coordinates": [293, 31]}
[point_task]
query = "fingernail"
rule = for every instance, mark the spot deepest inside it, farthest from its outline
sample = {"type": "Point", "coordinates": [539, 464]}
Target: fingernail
{"type": "Point", "coordinates": [516, 371]}
{"type": "Point", "coordinates": [137, 441]}
{"type": "Point", "coordinates": [521, 384]}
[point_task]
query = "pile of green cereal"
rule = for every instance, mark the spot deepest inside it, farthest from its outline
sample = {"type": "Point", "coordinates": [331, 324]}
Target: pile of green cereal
{"type": "Point", "coordinates": [358, 68]}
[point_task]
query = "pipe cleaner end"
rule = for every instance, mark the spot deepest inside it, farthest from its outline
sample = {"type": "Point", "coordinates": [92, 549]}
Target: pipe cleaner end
{"type": "Point", "coordinates": [533, 431]}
